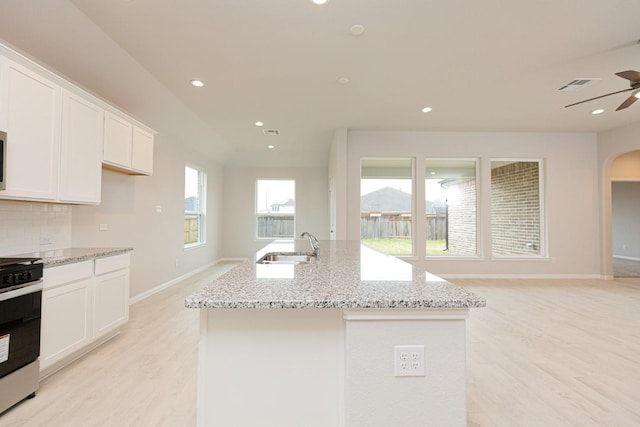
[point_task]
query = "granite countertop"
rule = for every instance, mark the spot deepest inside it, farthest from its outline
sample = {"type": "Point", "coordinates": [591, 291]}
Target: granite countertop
{"type": "Point", "coordinates": [345, 275]}
{"type": "Point", "coordinates": [57, 257]}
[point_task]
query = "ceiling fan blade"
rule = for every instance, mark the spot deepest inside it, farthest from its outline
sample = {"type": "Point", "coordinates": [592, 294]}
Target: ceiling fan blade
{"type": "Point", "coordinates": [627, 102]}
{"type": "Point", "coordinates": [598, 97]}
{"type": "Point", "coordinates": [631, 75]}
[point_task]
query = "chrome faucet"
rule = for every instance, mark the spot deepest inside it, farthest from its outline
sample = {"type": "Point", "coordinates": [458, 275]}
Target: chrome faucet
{"type": "Point", "coordinates": [315, 245]}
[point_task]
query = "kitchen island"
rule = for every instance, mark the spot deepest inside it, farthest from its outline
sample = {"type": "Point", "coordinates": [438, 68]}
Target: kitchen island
{"type": "Point", "coordinates": [322, 343]}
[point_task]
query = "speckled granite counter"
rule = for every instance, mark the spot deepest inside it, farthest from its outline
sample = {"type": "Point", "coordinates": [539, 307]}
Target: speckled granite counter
{"type": "Point", "coordinates": [333, 355]}
{"type": "Point", "coordinates": [70, 255]}
{"type": "Point", "coordinates": [345, 275]}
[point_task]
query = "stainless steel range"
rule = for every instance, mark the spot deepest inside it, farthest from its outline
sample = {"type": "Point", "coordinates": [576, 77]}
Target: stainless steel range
{"type": "Point", "coordinates": [20, 309]}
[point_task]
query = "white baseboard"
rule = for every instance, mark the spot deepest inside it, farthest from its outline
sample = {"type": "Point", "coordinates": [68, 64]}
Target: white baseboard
{"type": "Point", "coordinates": [170, 283]}
{"type": "Point", "coordinates": [522, 276]}
{"type": "Point", "coordinates": [232, 259]}
{"type": "Point", "coordinates": [626, 258]}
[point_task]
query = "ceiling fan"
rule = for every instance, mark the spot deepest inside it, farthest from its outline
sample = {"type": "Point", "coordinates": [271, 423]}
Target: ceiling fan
{"type": "Point", "coordinates": [634, 79]}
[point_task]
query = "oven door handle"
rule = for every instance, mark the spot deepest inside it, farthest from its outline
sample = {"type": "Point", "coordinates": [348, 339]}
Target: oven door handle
{"type": "Point", "coordinates": [28, 288]}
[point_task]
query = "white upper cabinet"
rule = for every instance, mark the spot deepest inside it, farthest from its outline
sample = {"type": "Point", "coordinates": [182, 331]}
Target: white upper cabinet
{"type": "Point", "coordinates": [31, 109]}
{"type": "Point", "coordinates": [59, 137]}
{"type": "Point", "coordinates": [81, 150]}
{"type": "Point", "coordinates": [127, 147]}
{"type": "Point", "coordinates": [142, 151]}
{"type": "Point", "coordinates": [118, 136]}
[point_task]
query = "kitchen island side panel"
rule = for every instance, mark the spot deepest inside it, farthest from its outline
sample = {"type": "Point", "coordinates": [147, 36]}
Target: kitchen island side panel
{"type": "Point", "coordinates": [375, 397]}
{"type": "Point", "coordinates": [271, 368]}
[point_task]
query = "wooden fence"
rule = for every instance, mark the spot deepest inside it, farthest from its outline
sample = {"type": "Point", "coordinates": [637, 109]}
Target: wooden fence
{"type": "Point", "coordinates": [276, 226]}
{"type": "Point", "coordinates": [397, 225]}
{"type": "Point", "coordinates": [373, 225]}
{"type": "Point", "coordinates": [191, 228]}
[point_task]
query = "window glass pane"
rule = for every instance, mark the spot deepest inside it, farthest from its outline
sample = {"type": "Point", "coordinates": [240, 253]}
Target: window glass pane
{"type": "Point", "coordinates": [194, 206]}
{"type": "Point", "coordinates": [191, 189]}
{"type": "Point", "coordinates": [386, 205]}
{"type": "Point", "coordinates": [275, 209]}
{"type": "Point", "coordinates": [451, 204]}
{"type": "Point", "coordinates": [515, 208]}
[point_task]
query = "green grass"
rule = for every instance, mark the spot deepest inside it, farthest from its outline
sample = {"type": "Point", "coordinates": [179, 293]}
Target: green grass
{"type": "Point", "coordinates": [403, 246]}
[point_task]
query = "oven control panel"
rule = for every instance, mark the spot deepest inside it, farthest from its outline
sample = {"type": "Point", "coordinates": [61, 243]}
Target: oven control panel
{"type": "Point", "coordinates": [20, 274]}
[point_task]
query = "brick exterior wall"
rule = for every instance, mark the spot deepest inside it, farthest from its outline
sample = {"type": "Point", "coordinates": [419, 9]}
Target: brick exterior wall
{"type": "Point", "coordinates": [515, 209]}
{"type": "Point", "coordinates": [462, 219]}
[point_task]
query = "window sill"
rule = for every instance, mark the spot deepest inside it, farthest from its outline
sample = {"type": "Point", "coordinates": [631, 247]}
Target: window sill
{"type": "Point", "coordinates": [191, 246]}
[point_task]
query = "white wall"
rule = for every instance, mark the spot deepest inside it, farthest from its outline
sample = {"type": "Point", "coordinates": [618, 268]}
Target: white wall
{"type": "Point", "coordinates": [571, 194]}
{"type": "Point", "coordinates": [338, 185]}
{"type": "Point", "coordinates": [312, 209]}
{"type": "Point", "coordinates": [611, 145]}
{"type": "Point", "coordinates": [625, 233]}
{"type": "Point", "coordinates": [68, 45]}
{"type": "Point", "coordinates": [129, 209]}
{"type": "Point", "coordinates": [626, 167]}
{"type": "Point", "coordinates": [625, 203]}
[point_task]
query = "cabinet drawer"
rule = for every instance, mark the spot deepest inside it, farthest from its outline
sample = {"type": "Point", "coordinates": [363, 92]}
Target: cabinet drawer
{"type": "Point", "coordinates": [112, 263]}
{"type": "Point", "coordinates": [56, 276]}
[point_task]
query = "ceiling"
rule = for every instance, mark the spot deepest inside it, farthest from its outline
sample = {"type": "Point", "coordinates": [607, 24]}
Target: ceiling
{"type": "Point", "coordinates": [481, 65]}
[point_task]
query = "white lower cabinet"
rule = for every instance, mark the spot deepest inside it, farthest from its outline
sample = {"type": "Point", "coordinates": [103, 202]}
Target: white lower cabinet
{"type": "Point", "coordinates": [111, 294]}
{"type": "Point", "coordinates": [81, 304]}
{"type": "Point", "coordinates": [66, 311]}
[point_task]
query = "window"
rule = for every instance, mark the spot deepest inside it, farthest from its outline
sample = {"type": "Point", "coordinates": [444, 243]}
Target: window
{"type": "Point", "coordinates": [194, 206]}
{"type": "Point", "coordinates": [451, 205]}
{"type": "Point", "coordinates": [516, 207]}
{"type": "Point", "coordinates": [275, 209]}
{"type": "Point", "coordinates": [386, 205]}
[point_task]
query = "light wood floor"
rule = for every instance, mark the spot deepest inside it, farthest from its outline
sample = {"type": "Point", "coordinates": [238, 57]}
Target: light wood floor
{"type": "Point", "coordinates": [542, 353]}
{"type": "Point", "coordinates": [146, 376]}
{"type": "Point", "coordinates": [554, 353]}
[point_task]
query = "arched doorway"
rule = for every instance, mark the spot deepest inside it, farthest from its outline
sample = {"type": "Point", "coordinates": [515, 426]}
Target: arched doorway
{"type": "Point", "coordinates": [625, 214]}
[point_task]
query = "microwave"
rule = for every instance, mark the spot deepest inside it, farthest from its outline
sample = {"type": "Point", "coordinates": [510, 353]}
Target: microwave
{"type": "Point", "coordinates": [3, 160]}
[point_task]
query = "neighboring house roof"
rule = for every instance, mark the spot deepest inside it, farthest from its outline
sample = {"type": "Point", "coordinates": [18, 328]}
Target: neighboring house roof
{"type": "Point", "coordinates": [390, 199]}
{"type": "Point", "coordinates": [386, 199]}
{"type": "Point", "coordinates": [288, 203]}
{"type": "Point", "coordinates": [191, 203]}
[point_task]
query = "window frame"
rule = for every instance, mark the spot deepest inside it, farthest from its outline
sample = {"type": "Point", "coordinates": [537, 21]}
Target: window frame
{"type": "Point", "coordinates": [543, 252]}
{"type": "Point", "coordinates": [256, 213]}
{"type": "Point", "coordinates": [478, 198]}
{"type": "Point", "coordinates": [201, 212]}
{"type": "Point", "coordinates": [412, 177]}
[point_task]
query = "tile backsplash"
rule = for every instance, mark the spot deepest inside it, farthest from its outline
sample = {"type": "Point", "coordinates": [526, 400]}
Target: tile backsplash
{"type": "Point", "coordinates": [32, 227]}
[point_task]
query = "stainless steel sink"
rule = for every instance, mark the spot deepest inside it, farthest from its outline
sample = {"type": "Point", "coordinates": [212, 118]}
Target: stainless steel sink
{"type": "Point", "coordinates": [285, 258]}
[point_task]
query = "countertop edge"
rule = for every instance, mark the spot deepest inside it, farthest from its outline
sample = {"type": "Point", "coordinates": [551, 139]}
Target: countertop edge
{"type": "Point", "coordinates": [59, 257]}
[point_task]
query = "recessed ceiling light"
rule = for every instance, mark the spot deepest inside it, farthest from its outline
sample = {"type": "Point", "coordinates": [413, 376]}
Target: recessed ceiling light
{"type": "Point", "coordinates": [433, 173]}
{"type": "Point", "coordinates": [271, 146]}
{"type": "Point", "coordinates": [259, 124]}
{"type": "Point", "coordinates": [197, 83]}
{"type": "Point", "coordinates": [427, 109]}
{"type": "Point", "coordinates": [356, 30]}
{"type": "Point", "coordinates": [320, 2]}
{"type": "Point", "coordinates": [598, 111]}
{"type": "Point", "coordinates": [343, 80]}
{"type": "Point", "coordinates": [637, 94]}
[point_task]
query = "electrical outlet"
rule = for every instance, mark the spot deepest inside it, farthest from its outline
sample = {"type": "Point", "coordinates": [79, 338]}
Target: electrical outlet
{"type": "Point", "coordinates": [408, 361]}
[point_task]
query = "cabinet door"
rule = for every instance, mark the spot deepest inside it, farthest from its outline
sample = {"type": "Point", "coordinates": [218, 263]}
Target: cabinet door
{"type": "Point", "coordinates": [66, 325]}
{"type": "Point", "coordinates": [81, 150]}
{"type": "Point", "coordinates": [33, 133]}
{"type": "Point", "coordinates": [118, 135]}
{"type": "Point", "coordinates": [142, 151]}
{"type": "Point", "coordinates": [111, 301]}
